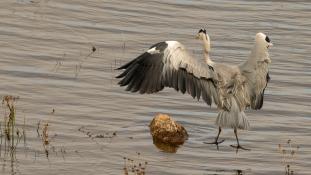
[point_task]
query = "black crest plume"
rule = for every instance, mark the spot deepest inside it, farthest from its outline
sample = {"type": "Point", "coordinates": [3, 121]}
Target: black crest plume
{"type": "Point", "coordinates": [202, 30]}
{"type": "Point", "coordinates": [267, 39]}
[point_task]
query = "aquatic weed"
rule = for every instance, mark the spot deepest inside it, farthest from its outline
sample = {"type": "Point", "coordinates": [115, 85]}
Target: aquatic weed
{"type": "Point", "coordinates": [11, 135]}
{"type": "Point", "coordinates": [135, 167]}
{"type": "Point", "coordinates": [289, 153]}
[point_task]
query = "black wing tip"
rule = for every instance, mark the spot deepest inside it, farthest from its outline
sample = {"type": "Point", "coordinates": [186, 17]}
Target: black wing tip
{"type": "Point", "coordinates": [259, 100]}
{"type": "Point", "coordinates": [119, 76]}
{"type": "Point", "coordinates": [143, 74]}
{"type": "Point", "coordinates": [268, 77]}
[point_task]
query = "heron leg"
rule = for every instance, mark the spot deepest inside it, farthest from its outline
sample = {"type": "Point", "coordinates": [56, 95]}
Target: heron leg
{"type": "Point", "coordinates": [216, 142]}
{"type": "Point", "coordinates": [238, 146]}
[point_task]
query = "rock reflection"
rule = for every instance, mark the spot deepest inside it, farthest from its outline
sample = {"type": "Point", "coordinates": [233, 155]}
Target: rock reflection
{"type": "Point", "coordinates": [166, 147]}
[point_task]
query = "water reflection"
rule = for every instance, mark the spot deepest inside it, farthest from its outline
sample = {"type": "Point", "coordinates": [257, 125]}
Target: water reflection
{"type": "Point", "coordinates": [225, 171]}
{"type": "Point", "coordinates": [166, 147]}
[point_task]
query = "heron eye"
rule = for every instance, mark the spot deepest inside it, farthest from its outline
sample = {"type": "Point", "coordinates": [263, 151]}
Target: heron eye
{"type": "Point", "coordinates": [267, 39]}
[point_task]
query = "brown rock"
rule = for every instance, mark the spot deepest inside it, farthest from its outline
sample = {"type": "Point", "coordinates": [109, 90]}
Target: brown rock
{"type": "Point", "coordinates": [164, 129]}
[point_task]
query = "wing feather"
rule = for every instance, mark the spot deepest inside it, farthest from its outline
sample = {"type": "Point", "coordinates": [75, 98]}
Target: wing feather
{"type": "Point", "coordinates": [168, 64]}
{"type": "Point", "coordinates": [256, 83]}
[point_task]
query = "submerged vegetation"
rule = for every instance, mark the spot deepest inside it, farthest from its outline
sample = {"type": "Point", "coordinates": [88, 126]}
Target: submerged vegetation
{"type": "Point", "coordinates": [289, 153]}
{"type": "Point", "coordinates": [13, 132]}
{"type": "Point", "coordinates": [45, 138]}
{"type": "Point", "coordinates": [93, 135]}
{"type": "Point", "coordinates": [135, 167]}
{"type": "Point", "coordinates": [11, 135]}
{"type": "Point", "coordinates": [79, 66]}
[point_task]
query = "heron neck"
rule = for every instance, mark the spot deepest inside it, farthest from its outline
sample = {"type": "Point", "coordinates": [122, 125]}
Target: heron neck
{"type": "Point", "coordinates": [206, 49]}
{"type": "Point", "coordinates": [258, 54]}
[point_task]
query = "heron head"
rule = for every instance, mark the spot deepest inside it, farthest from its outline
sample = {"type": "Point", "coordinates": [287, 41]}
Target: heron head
{"type": "Point", "coordinates": [263, 40]}
{"type": "Point", "coordinates": [201, 35]}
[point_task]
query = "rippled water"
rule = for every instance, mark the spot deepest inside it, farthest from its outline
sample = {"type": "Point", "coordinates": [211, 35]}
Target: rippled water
{"type": "Point", "coordinates": [46, 60]}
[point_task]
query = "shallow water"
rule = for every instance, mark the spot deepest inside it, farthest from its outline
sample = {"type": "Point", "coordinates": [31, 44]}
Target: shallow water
{"type": "Point", "coordinates": [46, 60]}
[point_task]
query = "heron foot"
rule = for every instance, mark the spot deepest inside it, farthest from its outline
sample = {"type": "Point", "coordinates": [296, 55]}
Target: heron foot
{"type": "Point", "coordinates": [240, 147]}
{"type": "Point", "coordinates": [216, 142]}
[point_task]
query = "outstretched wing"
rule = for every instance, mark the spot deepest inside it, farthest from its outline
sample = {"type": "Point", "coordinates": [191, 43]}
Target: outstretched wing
{"type": "Point", "coordinates": [168, 64]}
{"type": "Point", "coordinates": [256, 82]}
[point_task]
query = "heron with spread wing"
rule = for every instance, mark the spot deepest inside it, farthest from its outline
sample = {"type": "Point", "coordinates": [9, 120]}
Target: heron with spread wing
{"type": "Point", "coordinates": [233, 88]}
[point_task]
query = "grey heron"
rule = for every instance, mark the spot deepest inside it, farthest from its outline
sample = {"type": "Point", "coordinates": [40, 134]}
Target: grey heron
{"type": "Point", "coordinates": [233, 88]}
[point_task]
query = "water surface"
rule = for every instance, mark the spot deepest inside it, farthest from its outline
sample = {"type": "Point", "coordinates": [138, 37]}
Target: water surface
{"type": "Point", "coordinates": [47, 60]}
